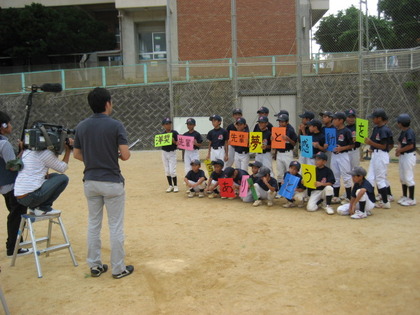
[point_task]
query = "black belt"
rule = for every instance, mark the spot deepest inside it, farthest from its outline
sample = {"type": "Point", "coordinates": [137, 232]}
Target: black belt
{"type": "Point", "coordinates": [283, 150]}
{"type": "Point", "coordinates": [341, 152]}
{"type": "Point", "coordinates": [242, 152]}
{"type": "Point", "coordinates": [402, 153]}
{"type": "Point", "coordinates": [377, 150]}
{"type": "Point", "coordinates": [169, 150]}
{"type": "Point", "coordinates": [216, 148]}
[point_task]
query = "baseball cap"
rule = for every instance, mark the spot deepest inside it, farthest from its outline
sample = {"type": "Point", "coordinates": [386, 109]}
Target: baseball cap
{"type": "Point", "coordinates": [315, 122]}
{"type": "Point", "coordinates": [281, 112]}
{"type": "Point", "coordinates": [358, 171]}
{"type": "Point", "coordinates": [237, 111]}
{"type": "Point", "coordinates": [326, 113]}
{"type": "Point", "coordinates": [403, 119]}
{"type": "Point", "coordinates": [379, 112]}
{"type": "Point", "coordinates": [350, 112]}
{"type": "Point", "coordinates": [218, 161]}
{"type": "Point", "coordinates": [215, 117]}
{"type": "Point", "coordinates": [166, 120]}
{"type": "Point", "coordinates": [195, 162]}
{"type": "Point", "coordinates": [229, 172]}
{"type": "Point", "coordinates": [256, 164]}
{"type": "Point", "coordinates": [262, 119]}
{"type": "Point", "coordinates": [321, 155]}
{"type": "Point", "coordinates": [190, 121]}
{"type": "Point", "coordinates": [263, 171]}
{"type": "Point", "coordinates": [263, 110]}
{"type": "Point", "coordinates": [295, 164]}
{"type": "Point", "coordinates": [307, 114]}
{"type": "Point", "coordinates": [283, 117]}
{"type": "Point", "coordinates": [241, 121]}
{"type": "Point", "coordinates": [340, 115]}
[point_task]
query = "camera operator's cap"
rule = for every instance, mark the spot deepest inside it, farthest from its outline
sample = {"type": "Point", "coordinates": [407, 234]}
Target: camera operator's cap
{"type": "Point", "coordinates": [263, 110]}
{"type": "Point", "coordinates": [321, 155]}
{"type": "Point", "coordinates": [166, 120]}
{"type": "Point", "coordinates": [340, 115]}
{"type": "Point", "coordinates": [315, 122]}
{"type": "Point", "coordinates": [190, 121]}
{"type": "Point", "coordinates": [350, 112]}
{"type": "Point", "coordinates": [358, 171]}
{"type": "Point", "coordinates": [307, 114]}
{"type": "Point", "coordinates": [229, 172]}
{"type": "Point", "coordinates": [215, 117]}
{"type": "Point", "coordinates": [379, 112]}
{"type": "Point", "coordinates": [219, 162]}
{"type": "Point", "coordinates": [282, 112]}
{"type": "Point", "coordinates": [195, 162]}
{"type": "Point", "coordinates": [241, 121]}
{"type": "Point", "coordinates": [256, 164]}
{"type": "Point", "coordinates": [237, 111]}
{"type": "Point", "coordinates": [403, 119]}
{"type": "Point", "coordinates": [283, 117]}
{"type": "Point", "coordinates": [326, 113]}
{"type": "Point", "coordinates": [263, 171]}
{"type": "Point", "coordinates": [295, 164]}
{"type": "Point", "coordinates": [263, 119]}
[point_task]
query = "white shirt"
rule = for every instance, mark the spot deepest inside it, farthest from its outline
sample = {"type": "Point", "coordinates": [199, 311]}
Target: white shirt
{"type": "Point", "coordinates": [7, 154]}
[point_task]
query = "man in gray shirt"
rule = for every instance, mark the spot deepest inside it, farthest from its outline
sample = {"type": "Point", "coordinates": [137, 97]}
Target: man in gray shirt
{"type": "Point", "coordinates": [99, 142]}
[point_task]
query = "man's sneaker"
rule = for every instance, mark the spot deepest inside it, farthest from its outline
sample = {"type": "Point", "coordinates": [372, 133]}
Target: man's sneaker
{"type": "Point", "coordinates": [402, 199]}
{"type": "Point", "coordinates": [335, 200]}
{"type": "Point", "coordinates": [170, 189]}
{"type": "Point", "coordinates": [289, 204]}
{"type": "Point", "coordinates": [21, 252]}
{"type": "Point", "coordinates": [191, 194]}
{"type": "Point", "coordinates": [342, 211]}
{"type": "Point", "coordinates": [37, 212]}
{"type": "Point", "coordinates": [128, 271]}
{"type": "Point", "coordinates": [381, 204]}
{"type": "Point", "coordinates": [329, 210]}
{"type": "Point", "coordinates": [391, 198]}
{"type": "Point", "coordinates": [269, 203]}
{"type": "Point", "coordinates": [358, 215]}
{"type": "Point", "coordinates": [257, 203]}
{"type": "Point", "coordinates": [200, 194]}
{"type": "Point", "coordinates": [409, 202]}
{"type": "Point", "coordinates": [176, 189]}
{"type": "Point", "coordinates": [98, 270]}
{"type": "Point", "coordinates": [345, 201]}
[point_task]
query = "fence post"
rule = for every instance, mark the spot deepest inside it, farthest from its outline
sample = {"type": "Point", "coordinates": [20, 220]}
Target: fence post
{"type": "Point", "coordinates": [103, 77]}
{"type": "Point", "coordinates": [145, 73]}
{"type": "Point", "coordinates": [22, 80]}
{"type": "Point", "coordinates": [63, 80]}
{"type": "Point", "coordinates": [317, 63]}
{"type": "Point", "coordinates": [273, 67]}
{"type": "Point", "coordinates": [230, 68]}
{"type": "Point", "coordinates": [411, 59]}
{"type": "Point", "coordinates": [386, 60]}
{"type": "Point", "coordinates": [187, 71]}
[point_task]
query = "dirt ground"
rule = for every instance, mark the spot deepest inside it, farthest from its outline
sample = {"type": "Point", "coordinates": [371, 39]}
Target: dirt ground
{"type": "Point", "coordinates": [202, 256]}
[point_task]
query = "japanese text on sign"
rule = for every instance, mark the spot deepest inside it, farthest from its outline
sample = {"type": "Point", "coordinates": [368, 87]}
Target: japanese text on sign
{"type": "Point", "coordinates": [277, 141]}
{"type": "Point", "coordinates": [163, 139]}
{"type": "Point", "coordinates": [238, 138]}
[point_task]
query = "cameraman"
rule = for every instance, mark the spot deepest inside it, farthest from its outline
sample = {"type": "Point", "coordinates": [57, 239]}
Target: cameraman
{"type": "Point", "coordinates": [34, 187]}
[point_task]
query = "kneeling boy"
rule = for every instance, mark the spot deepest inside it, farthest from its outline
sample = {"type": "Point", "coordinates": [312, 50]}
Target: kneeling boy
{"type": "Point", "coordinates": [265, 187]}
{"type": "Point", "coordinates": [195, 180]}
{"type": "Point", "coordinates": [300, 191]}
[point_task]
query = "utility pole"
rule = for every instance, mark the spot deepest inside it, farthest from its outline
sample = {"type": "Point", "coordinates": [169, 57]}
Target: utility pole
{"type": "Point", "coordinates": [234, 54]}
{"type": "Point", "coordinates": [169, 58]}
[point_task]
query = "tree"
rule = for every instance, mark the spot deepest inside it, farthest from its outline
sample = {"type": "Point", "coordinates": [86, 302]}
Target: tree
{"type": "Point", "coordinates": [39, 31]}
{"type": "Point", "coordinates": [405, 19]}
{"type": "Point", "coordinates": [340, 33]}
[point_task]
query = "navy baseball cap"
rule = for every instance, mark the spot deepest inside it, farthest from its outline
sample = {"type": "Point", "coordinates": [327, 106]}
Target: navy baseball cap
{"type": "Point", "coordinates": [321, 155]}
{"type": "Point", "coordinates": [307, 114]}
{"type": "Point", "coordinates": [282, 112]}
{"type": "Point", "coordinates": [350, 112]}
{"type": "Point", "coordinates": [358, 171]}
{"type": "Point", "coordinates": [403, 119]}
{"type": "Point", "coordinates": [315, 122]}
{"type": "Point", "coordinates": [263, 171]}
{"type": "Point", "coordinates": [190, 121]}
{"type": "Point", "coordinates": [219, 162]}
{"type": "Point", "coordinates": [295, 164]}
{"type": "Point", "coordinates": [195, 162]}
{"type": "Point", "coordinates": [283, 117]}
{"type": "Point", "coordinates": [326, 113]}
{"type": "Point", "coordinates": [166, 120]}
{"type": "Point", "coordinates": [263, 119]}
{"type": "Point", "coordinates": [241, 121]}
{"type": "Point", "coordinates": [340, 115]}
{"type": "Point", "coordinates": [379, 112]}
{"type": "Point", "coordinates": [229, 172]}
{"type": "Point", "coordinates": [263, 110]}
{"type": "Point", "coordinates": [237, 111]}
{"type": "Point", "coordinates": [256, 164]}
{"type": "Point", "coordinates": [215, 117]}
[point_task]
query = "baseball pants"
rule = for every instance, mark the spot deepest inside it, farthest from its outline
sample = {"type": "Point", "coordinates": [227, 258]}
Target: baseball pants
{"type": "Point", "coordinates": [283, 161]}
{"type": "Point", "coordinates": [317, 195]}
{"type": "Point", "coordinates": [266, 160]}
{"type": "Point", "coordinates": [306, 160]}
{"type": "Point", "coordinates": [189, 156]}
{"type": "Point", "coordinates": [231, 157]}
{"type": "Point", "coordinates": [218, 153]}
{"type": "Point", "coordinates": [344, 209]}
{"type": "Point", "coordinates": [264, 195]}
{"type": "Point", "coordinates": [340, 165]}
{"type": "Point", "coordinates": [378, 169]}
{"type": "Point", "coordinates": [169, 163]}
{"type": "Point", "coordinates": [406, 164]}
{"type": "Point", "coordinates": [354, 156]}
{"type": "Point", "coordinates": [242, 160]}
{"type": "Point", "coordinates": [199, 187]}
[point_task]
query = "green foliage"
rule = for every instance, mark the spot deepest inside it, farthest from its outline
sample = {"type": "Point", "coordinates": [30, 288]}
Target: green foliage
{"type": "Point", "coordinates": [38, 31]}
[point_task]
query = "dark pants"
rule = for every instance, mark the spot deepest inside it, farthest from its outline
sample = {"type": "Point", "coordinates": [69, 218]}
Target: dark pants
{"type": "Point", "coordinates": [13, 220]}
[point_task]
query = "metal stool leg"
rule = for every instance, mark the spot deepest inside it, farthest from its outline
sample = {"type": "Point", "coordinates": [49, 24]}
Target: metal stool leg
{"type": "Point", "coordinates": [20, 232]}
{"type": "Point", "coordinates": [34, 247]}
{"type": "Point", "coordinates": [63, 230]}
{"type": "Point", "coordinates": [3, 301]}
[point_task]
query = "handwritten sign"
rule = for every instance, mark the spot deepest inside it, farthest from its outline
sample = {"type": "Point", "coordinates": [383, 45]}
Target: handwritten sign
{"type": "Point", "coordinates": [186, 143]}
{"type": "Point", "coordinates": [309, 175]}
{"type": "Point", "coordinates": [252, 188]}
{"type": "Point", "coordinates": [362, 128]}
{"type": "Point", "coordinates": [287, 190]}
{"type": "Point", "coordinates": [277, 141]}
{"type": "Point", "coordinates": [243, 190]}
{"type": "Point", "coordinates": [306, 148]}
{"type": "Point", "coordinates": [331, 138]}
{"type": "Point", "coordinates": [238, 138]}
{"type": "Point", "coordinates": [226, 187]}
{"type": "Point", "coordinates": [209, 167]}
{"type": "Point", "coordinates": [163, 139]}
{"type": "Point", "coordinates": [255, 142]}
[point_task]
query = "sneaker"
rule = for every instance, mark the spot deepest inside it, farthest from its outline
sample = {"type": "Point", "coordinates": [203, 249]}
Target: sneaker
{"type": "Point", "coordinates": [345, 201]}
{"type": "Point", "coordinates": [257, 203]}
{"type": "Point", "coordinates": [191, 194]}
{"type": "Point", "coordinates": [21, 252]}
{"type": "Point", "coordinates": [223, 197]}
{"type": "Point", "coordinates": [289, 204]}
{"type": "Point", "coordinates": [391, 198]}
{"type": "Point", "coordinates": [170, 189]}
{"type": "Point", "coordinates": [408, 202]}
{"type": "Point", "coordinates": [269, 203]}
{"type": "Point", "coordinates": [176, 189]}
{"type": "Point", "coordinates": [200, 194]}
{"type": "Point", "coordinates": [277, 196]}
{"type": "Point", "coordinates": [402, 199]}
{"type": "Point", "coordinates": [343, 211]}
{"type": "Point", "coordinates": [329, 210]}
{"type": "Point", "coordinates": [368, 212]}
{"type": "Point", "coordinates": [335, 200]}
{"type": "Point", "coordinates": [211, 196]}
{"type": "Point", "coordinates": [98, 270]}
{"type": "Point", "coordinates": [128, 271]}
{"type": "Point", "coordinates": [383, 205]}
{"type": "Point", "coordinates": [358, 215]}
{"type": "Point", "coordinates": [343, 196]}
{"type": "Point", "coordinates": [37, 212]}
{"type": "Point", "coordinates": [378, 197]}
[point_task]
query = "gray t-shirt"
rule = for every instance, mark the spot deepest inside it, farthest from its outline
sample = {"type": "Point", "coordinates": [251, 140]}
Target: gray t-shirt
{"type": "Point", "coordinates": [98, 137]}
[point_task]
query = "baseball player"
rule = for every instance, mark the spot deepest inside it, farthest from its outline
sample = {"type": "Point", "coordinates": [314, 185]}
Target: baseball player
{"type": "Point", "coordinates": [265, 157]}
{"type": "Point", "coordinates": [190, 156]}
{"type": "Point", "coordinates": [169, 156]}
{"type": "Point", "coordinates": [406, 152]}
{"type": "Point", "coordinates": [213, 183]}
{"type": "Point", "coordinates": [262, 111]}
{"type": "Point", "coordinates": [327, 122]}
{"type": "Point", "coordinates": [265, 187]}
{"type": "Point", "coordinates": [304, 131]}
{"type": "Point", "coordinates": [241, 154]}
{"type": "Point", "coordinates": [300, 191]}
{"type": "Point", "coordinates": [318, 141]}
{"type": "Point", "coordinates": [218, 140]}
{"type": "Point", "coordinates": [236, 114]}
{"type": "Point", "coordinates": [354, 154]}
{"type": "Point", "coordinates": [195, 180]}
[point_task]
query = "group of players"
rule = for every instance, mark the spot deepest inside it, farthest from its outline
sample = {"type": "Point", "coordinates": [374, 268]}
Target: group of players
{"type": "Point", "coordinates": [341, 165]}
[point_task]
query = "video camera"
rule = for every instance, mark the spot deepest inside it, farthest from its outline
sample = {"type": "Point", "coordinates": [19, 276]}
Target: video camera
{"type": "Point", "coordinates": [47, 136]}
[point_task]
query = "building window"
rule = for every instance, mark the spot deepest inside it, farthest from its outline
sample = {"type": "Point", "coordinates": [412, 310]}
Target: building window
{"type": "Point", "coordinates": [152, 45]}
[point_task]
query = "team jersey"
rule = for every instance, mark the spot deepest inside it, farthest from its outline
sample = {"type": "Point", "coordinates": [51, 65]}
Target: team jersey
{"type": "Point", "coordinates": [257, 127]}
{"type": "Point", "coordinates": [291, 133]}
{"type": "Point", "coordinates": [352, 128]}
{"type": "Point", "coordinates": [407, 137]}
{"type": "Point", "coordinates": [324, 175]}
{"type": "Point", "coordinates": [382, 135]}
{"type": "Point", "coordinates": [238, 178]}
{"type": "Point", "coordinates": [272, 181]}
{"type": "Point", "coordinates": [217, 137]}
{"type": "Point", "coordinates": [300, 184]}
{"type": "Point", "coordinates": [369, 190]}
{"type": "Point", "coordinates": [195, 176]}
{"type": "Point", "coordinates": [197, 137]}
{"type": "Point", "coordinates": [173, 146]}
{"type": "Point", "coordinates": [320, 138]}
{"type": "Point", "coordinates": [344, 138]}
{"type": "Point", "coordinates": [266, 139]}
{"type": "Point", "coordinates": [215, 176]}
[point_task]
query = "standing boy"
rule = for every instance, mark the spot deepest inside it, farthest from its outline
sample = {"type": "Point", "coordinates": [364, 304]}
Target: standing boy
{"type": "Point", "coordinates": [406, 151]}
{"type": "Point", "coordinates": [169, 156]}
{"type": "Point", "coordinates": [190, 156]}
{"type": "Point", "coordinates": [327, 122]}
{"type": "Point", "coordinates": [195, 180]}
{"type": "Point", "coordinates": [218, 140]}
{"type": "Point", "coordinates": [318, 140]}
{"type": "Point", "coordinates": [354, 154]}
{"type": "Point", "coordinates": [304, 131]}
{"type": "Point", "coordinates": [265, 156]}
{"type": "Point", "coordinates": [241, 153]}
{"type": "Point", "coordinates": [262, 111]}
{"type": "Point", "coordinates": [236, 114]}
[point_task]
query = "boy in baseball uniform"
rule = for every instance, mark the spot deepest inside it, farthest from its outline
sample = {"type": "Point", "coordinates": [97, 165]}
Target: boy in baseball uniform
{"type": "Point", "coordinates": [241, 154]}
{"type": "Point", "coordinates": [218, 140]}
{"type": "Point", "coordinates": [169, 156]}
{"type": "Point", "coordinates": [354, 154]}
{"type": "Point", "coordinates": [236, 114]}
{"type": "Point", "coordinates": [195, 180]}
{"type": "Point", "coordinates": [265, 187]}
{"type": "Point", "coordinates": [190, 156]}
{"type": "Point", "coordinates": [300, 191]}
